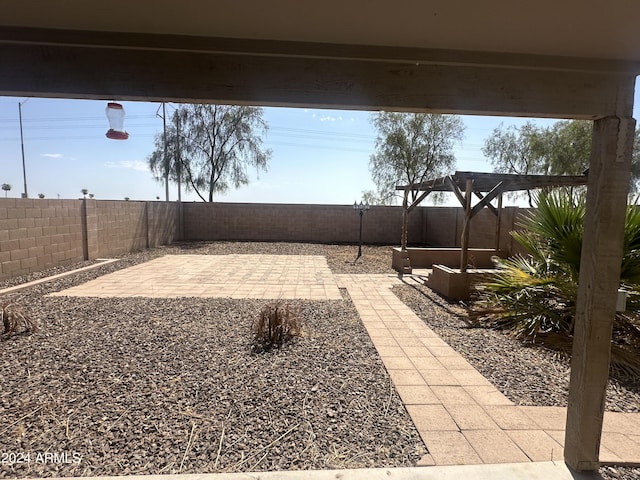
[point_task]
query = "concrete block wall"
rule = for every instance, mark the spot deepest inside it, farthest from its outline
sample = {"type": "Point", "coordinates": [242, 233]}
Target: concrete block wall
{"type": "Point", "coordinates": [131, 226]}
{"type": "Point", "coordinates": [297, 223]}
{"type": "Point", "coordinates": [122, 227]}
{"type": "Point", "coordinates": [40, 233]}
{"type": "Point", "coordinates": [427, 226]}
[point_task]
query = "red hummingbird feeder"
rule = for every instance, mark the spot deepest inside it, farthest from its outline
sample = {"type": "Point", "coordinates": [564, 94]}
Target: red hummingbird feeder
{"type": "Point", "coordinates": [115, 115]}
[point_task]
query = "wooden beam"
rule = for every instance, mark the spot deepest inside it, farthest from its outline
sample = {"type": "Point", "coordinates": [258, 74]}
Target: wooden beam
{"type": "Point", "coordinates": [609, 171]}
{"type": "Point", "coordinates": [405, 229]}
{"type": "Point", "coordinates": [493, 209]}
{"type": "Point", "coordinates": [234, 76]}
{"type": "Point", "coordinates": [411, 55]}
{"type": "Point", "coordinates": [464, 242]}
{"type": "Point", "coordinates": [498, 223]}
{"type": "Point", "coordinates": [456, 190]}
{"type": "Point", "coordinates": [497, 190]}
{"type": "Point", "coordinates": [418, 200]}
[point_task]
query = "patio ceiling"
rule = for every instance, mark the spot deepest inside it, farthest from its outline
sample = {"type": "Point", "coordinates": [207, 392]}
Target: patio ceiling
{"type": "Point", "coordinates": [495, 57]}
{"type": "Point", "coordinates": [586, 29]}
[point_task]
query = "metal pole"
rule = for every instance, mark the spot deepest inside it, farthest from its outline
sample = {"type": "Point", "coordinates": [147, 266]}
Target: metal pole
{"type": "Point", "coordinates": [179, 157]}
{"type": "Point", "coordinates": [166, 163]}
{"type": "Point", "coordinates": [24, 168]}
{"type": "Point", "coordinates": [360, 245]}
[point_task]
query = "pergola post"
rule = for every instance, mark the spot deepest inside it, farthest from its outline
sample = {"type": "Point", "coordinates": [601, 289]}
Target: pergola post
{"type": "Point", "coordinates": [464, 242]}
{"type": "Point", "coordinates": [405, 206]}
{"type": "Point", "coordinates": [498, 223]}
{"type": "Point", "coordinates": [609, 171]}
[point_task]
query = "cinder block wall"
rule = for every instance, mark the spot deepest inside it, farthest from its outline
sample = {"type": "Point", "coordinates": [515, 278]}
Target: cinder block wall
{"type": "Point", "coordinates": [131, 226]}
{"type": "Point", "coordinates": [122, 227]}
{"type": "Point", "coordinates": [297, 223]}
{"type": "Point", "coordinates": [39, 233]}
{"type": "Point", "coordinates": [427, 226]}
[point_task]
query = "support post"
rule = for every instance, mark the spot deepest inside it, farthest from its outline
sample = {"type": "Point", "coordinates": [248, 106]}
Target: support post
{"type": "Point", "coordinates": [609, 171]}
{"type": "Point", "coordinates": [498, 223]}
{"type": "Point", "coordinates": [403, 240]}
{"type": "Point", "coordinates": [464, 242]}
{"type": "Point", "coordinates": [404, 253]}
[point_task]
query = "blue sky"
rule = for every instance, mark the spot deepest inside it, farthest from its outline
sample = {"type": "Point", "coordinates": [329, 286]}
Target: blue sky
{"type": "Point", "coordinates": [319, 156]}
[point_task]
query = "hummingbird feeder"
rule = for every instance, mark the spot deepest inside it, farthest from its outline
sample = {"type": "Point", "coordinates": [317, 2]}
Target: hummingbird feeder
{"type": "Point", "coordinates": [115, 115]}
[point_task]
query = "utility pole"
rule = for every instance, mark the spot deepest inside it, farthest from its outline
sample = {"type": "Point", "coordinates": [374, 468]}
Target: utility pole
{"type": "Point", "coordinates": [24, 168]}
{"type": "Point", "coordinates": [166, 160]}
{"type": "Point", "coordinates": [179, 157]}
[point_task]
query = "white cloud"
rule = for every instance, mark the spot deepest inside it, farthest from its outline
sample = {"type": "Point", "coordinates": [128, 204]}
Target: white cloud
{"type": "Point", "coordinates": [52, 155]}
{"type": "Point", "coordinates": [330, 118]}
{"type": "Point", "coordinates": [130, 164]}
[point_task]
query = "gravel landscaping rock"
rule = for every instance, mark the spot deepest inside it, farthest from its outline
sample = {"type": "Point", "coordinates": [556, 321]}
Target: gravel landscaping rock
{"type": "Point", "coordinates": [142, 386]}
{"type": "Point", "coordinates": [171, 385]}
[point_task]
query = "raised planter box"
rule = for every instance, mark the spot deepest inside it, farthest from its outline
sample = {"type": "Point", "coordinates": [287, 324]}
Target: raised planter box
{"type": "Point", "coordinates": [454, 284]}
{"type": "Point", "coordinates": [427, 257]}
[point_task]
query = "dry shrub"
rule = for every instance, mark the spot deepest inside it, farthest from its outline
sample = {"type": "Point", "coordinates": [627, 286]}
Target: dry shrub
{"type": "Point", "coordinates": [277, 323]}
{"type": "Point", "coordinates": [15, 320]}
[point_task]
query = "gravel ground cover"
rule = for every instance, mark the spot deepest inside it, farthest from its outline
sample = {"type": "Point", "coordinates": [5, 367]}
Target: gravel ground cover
{"type": "Point", "coordinates": [142, 386]}
{"type": "Point", "coordinates": [527, 375]}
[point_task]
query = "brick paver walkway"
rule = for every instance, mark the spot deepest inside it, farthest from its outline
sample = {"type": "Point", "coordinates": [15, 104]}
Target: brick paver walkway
{"type": "Point", "coordinates": [460, 415]}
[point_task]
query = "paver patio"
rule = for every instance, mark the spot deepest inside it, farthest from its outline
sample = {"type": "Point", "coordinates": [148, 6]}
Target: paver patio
{"type": "Point", "coordinates": [233, 276]}
{"type": "Point", "coordinates": [460, 415]}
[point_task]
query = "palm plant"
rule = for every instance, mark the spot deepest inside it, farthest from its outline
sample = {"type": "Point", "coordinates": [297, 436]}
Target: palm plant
{"type": "Point", "coordinates": [534, 296]}
{"type": "Point", "coordinates": [6, 187]}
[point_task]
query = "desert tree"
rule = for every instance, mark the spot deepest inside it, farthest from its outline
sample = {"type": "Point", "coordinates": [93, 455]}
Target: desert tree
{"type": "Point", "coordinates": [211, 147]}
{"type": "Point", "coordinates": [375, 198]}
{"type": "Point", "coordinates": [412, 148]}
{"type": "Point", "coordinates": [515, 150]}
{"type": "Point", "coordinates": [563, 148]}
{"type": "Point", "coordinates": [6, 187]}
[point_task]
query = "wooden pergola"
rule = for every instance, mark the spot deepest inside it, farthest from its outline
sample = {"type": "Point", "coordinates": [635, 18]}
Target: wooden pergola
{"type": "Point", "coordinates": [571, 59]}
{"type": "Point", "coordinates": [487, 187]}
